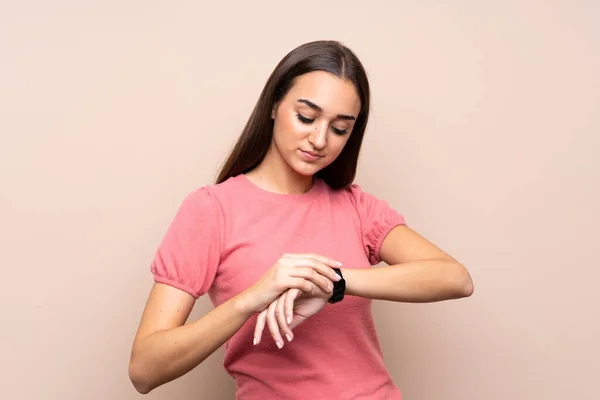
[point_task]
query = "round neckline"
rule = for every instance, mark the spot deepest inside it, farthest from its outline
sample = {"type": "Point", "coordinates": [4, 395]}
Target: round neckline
{"type": "Point", "coordinates": [311, 194]}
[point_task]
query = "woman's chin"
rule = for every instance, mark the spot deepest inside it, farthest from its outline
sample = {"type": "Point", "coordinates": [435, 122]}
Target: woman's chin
{"type": "Point", "coordinates": [306, 169]}
{"type": "Point", "coordinates": [306, 172]}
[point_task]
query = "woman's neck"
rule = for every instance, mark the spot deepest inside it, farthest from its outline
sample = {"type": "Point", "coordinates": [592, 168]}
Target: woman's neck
{"type": "Point", "coordinates": [275, 175]}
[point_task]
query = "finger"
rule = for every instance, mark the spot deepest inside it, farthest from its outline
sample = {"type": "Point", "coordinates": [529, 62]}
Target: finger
{"type": "Point", "coordinates": [317, 265]}
{"type": "Point", "coordinates": [311, 275]}
{"type": "Point", "coordinates": [260, 326]}
{"type": "Point", "coordinates": [273, 325]}
{"type": "Point", "coordinates": [289, 304]}
{"type": "Point", "coordinates": [281, 319]}
{"type": "Point", "coordinates": [318, 292]}
{"type": "Point", "coordinates": [325, 260]}
{"type": "Point", "coordinates": [303, 285]}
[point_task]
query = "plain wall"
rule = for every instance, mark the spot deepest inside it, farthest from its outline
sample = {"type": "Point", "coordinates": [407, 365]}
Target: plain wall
{"type": "Point", "coordinates": [485, 132]}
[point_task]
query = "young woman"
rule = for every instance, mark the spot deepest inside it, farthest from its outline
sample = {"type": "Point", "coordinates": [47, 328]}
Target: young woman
{"type": "Point", "coordinates": [283, 243]}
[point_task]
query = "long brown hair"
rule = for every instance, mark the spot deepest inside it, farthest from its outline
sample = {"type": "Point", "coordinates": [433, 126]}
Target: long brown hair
{"type": "Point", "coordinates": [255, 140]}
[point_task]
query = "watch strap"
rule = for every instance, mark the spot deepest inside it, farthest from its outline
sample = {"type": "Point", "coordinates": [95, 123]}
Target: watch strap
{"type": "Point", "coordinates": [339, 288]}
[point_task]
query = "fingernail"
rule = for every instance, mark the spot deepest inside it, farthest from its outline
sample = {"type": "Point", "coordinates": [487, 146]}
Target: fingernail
{"type": "Point", "coordinates": [339, 277]}
{"type": "Point", "coordinates": [254, 341]}
{"type": "Point", "coordinates": [289, 338]}
{"type": "Point", "coordinates": [279, 345]}
{"type": "Point", "coordinates": [289, 320]}
{"type": "Point", "coordinates": [329, 288]}
{"type": "Point", "coordinates": [339, 264]}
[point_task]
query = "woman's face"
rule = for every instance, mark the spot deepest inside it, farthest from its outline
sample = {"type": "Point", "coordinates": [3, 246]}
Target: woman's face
{"type": "Point", "coordinates": [313, 122]}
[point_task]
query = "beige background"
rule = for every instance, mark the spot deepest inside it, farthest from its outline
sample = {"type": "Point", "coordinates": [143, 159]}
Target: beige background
{"type": "Point", "coordinates": [485, 133]}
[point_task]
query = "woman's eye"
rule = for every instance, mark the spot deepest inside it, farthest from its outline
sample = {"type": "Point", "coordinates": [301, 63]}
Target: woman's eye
{"type": "Point", "coordinates": [305, 120]}
{"type": "Point", "coordinates": [339, 131]}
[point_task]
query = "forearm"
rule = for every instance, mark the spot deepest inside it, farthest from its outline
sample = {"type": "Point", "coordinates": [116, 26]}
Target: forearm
{"type": "Point", "coordinates": [411, 282]}
{"type": "Point", "coordinates": [166, 355]}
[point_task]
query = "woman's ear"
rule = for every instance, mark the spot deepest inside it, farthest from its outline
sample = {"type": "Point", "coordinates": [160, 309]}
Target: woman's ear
{"type": "Point", "coordinates": [274, 111]}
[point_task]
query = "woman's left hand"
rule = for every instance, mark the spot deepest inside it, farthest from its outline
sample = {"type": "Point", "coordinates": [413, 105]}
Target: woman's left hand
{"type": "Point", "coordinates": [288, 311]}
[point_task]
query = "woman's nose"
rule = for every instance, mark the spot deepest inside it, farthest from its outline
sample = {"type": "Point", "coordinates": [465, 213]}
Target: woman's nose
{"type": "Point", "coordinates": [318, 137]}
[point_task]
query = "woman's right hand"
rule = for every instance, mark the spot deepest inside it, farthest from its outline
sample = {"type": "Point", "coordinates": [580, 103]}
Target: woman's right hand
{"type": "Point", "coordinates": [291, 271]}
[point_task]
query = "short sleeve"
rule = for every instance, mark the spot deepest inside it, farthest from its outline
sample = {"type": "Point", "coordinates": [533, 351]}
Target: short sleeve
{"type": "Point", "coordinates": [377, 219]}
{"type": "Point", "coordinates": [189, 253]}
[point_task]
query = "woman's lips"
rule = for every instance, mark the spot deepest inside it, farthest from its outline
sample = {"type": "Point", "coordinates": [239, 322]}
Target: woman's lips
{"type": "Point", "coordinates": [309, 155]}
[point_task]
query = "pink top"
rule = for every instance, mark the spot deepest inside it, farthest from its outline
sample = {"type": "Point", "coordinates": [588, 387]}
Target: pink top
{"type": "Point", "coordinates": [225, 237]}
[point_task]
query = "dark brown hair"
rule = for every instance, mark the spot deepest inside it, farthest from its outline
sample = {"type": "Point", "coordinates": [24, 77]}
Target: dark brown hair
{"type": "Point", "coordinates": [255, 140]}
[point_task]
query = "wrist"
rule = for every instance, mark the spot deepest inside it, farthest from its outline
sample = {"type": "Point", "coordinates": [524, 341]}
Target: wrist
{"type": "Point", "coordinates": [352, 278]}
{"type": "Point", "coordinates": [242, 306]}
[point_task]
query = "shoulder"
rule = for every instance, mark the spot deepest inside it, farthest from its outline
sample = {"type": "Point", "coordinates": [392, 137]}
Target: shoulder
{"type": "Point", "coordinates": [201, 199]}
{"type": "Point", "coordinates": [357, 196]}
{"type": "Point", "coordinates": [369, 206]}
{"type": "Point", "coordinates": [213, 195]}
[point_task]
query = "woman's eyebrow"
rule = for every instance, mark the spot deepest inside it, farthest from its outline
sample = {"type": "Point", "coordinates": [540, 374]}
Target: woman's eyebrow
{"type": "Point", "coordinates": [319, 109]}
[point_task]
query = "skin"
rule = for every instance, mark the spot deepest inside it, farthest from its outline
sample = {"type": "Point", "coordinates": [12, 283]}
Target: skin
{"type": "Point", "coordinates": [165, 347]}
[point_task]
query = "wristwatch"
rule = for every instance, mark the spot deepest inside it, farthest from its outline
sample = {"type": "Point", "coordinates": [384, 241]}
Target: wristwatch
{"type": "Point", "coordinates": [339, 288]}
